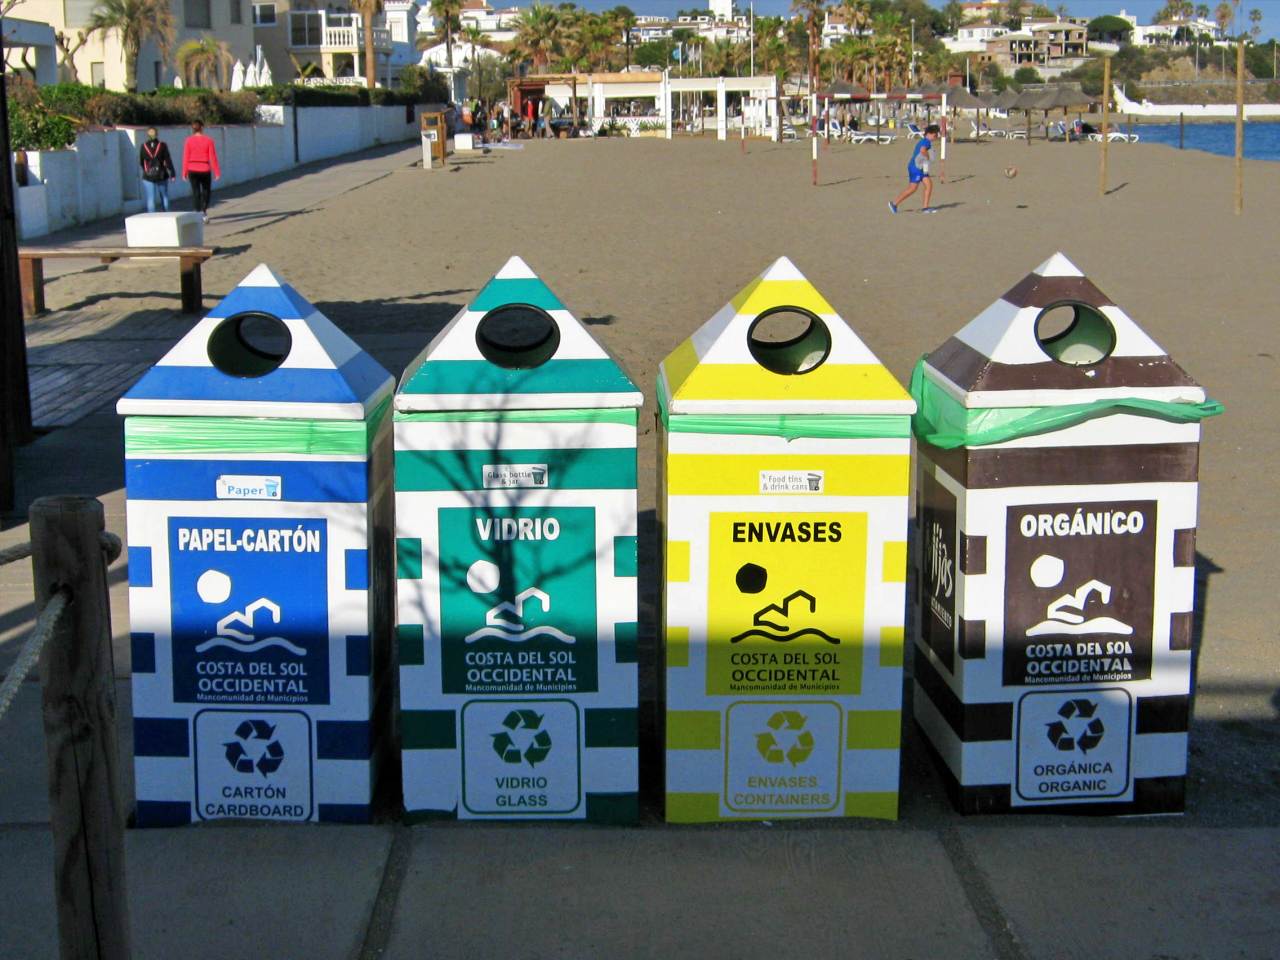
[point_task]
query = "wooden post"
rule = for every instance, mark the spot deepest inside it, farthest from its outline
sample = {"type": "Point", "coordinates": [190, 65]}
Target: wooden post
{"type": "Point", "coordinates": [15, 394]}
{"type": "Point", "coordinates": [1106, 131]}
{"type": "Point", "coordinates": [1239, 199]}
{"type": "Point", "coordinates": [31, 274]}
{"type": "Point", "coordinates": [192, 287]}
{"type": "Point", "coordinates": [86, 809]}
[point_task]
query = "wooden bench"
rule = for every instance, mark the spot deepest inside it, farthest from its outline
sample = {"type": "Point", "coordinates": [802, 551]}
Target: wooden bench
{"type": "Point", "coordinates": [31, 267]}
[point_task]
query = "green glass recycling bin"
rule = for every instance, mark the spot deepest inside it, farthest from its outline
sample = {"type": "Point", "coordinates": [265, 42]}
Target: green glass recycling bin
{"type": "Point", "coordinates": [515, 451]}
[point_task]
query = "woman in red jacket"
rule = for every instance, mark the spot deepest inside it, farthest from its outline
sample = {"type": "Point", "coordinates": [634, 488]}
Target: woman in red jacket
{"type": "Point", "coordinates": [200, 166]}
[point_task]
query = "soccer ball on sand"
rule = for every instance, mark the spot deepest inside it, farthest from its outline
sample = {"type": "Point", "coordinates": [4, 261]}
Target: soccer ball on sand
{"type": "Point", "coordinates": [1010, 172]}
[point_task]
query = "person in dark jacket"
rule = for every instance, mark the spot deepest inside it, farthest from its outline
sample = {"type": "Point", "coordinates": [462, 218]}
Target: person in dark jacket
{"type": "Point", "coordinates": [157, 170]}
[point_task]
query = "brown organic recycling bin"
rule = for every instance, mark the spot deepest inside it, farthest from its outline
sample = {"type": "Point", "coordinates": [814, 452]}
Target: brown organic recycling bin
{"type": "Point", "coordinates": [1057, 484]}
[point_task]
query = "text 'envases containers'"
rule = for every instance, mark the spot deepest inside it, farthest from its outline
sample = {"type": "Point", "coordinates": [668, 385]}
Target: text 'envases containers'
{"type": "Point", "coordinates": [258, 461]}
{"type": "Point", "coordinates": [515, 439]}
{"type": "Point", "coordinates": [1058, 458]}
{"type": "Point", "coordinates": [784, 513]}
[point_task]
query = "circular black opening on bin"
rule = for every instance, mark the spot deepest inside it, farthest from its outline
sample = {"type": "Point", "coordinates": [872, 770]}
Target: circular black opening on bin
{"type": "Point", "coordinates": [1075, 334]}
{"type": "Point", "coordinates": [789, 340]}
{"type": "Point", "coordinates": [517, 336]}
{"type": "Point", "coordinates": [250, 344]}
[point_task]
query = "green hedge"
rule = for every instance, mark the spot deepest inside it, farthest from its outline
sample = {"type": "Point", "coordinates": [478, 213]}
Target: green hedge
{"type": "Point", "coordinates": [420, 87]}
{"type": "Point", "coordinates": [32, 124]}
{"type": "Point", "coordinates": [47, 118]}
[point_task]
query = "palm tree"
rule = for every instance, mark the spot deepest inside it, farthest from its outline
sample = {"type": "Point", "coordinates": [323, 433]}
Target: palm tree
{"type": "Point", "coordinates": [682, 37]}
{"type": "Point", "coordinates": [537, 36]}
{"type": "Point", "coordinates": [447, 14]}
{"type": "Point", "coordinates": [856, 14]}
{"type": "Point", "coordinates": [204, 62]}
{"type": "Point", "coordinates": [890, 44]}
{"type": "Point", "coordinates": [368, 9]}
{"type": "Point", "coordinates": [1224, 15]}
{"type": "Point", "coordinates": [954, 13]}
{"type": "Point", "coordinates": [624, 22]}
{"type": "Point", "coordinates": [475, 37]}
{"type": "Point", "coordinates": [575, 39]}
{"type": "Point", "coordinates": [134, 22]}
{"type": "Point", "coordinates": [812, 12]}
{"type": "Point", "coordinates": [723, 58]}
{"type": "Point", "coordinates": [1255, 18]}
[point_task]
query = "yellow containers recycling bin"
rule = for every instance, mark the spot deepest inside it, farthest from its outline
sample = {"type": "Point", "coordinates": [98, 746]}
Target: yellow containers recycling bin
{"type": "Point", "coordinates": [784, 531]}
{"type": "Point", "coordinates": [1058, 458]}
{"type": "Point", "coordinates": [515, 449]}
{"type": "Point", "coordinates": [258, 475]}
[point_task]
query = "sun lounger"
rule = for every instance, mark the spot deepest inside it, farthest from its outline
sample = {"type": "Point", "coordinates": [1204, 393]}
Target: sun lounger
{"type": "Point", "coordinates": [870, 136]}
{"type": "Point", "coordinates": [1115, 136]}
{"type": "Point", "coordinates": [913, 131]}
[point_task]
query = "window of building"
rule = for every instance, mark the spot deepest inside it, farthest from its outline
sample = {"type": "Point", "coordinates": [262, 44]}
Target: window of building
{"type": "Point", "coordinates": [237, 12]}
{"type": "Point", "coordinates": [196, 13]}
{"type": "Point", "coordinates": [78, 12]}
{"type": "Point", "coordinates": [98, 74]}
{"type": "Point", "coordinates": [306, 29]}
{"type": "Point", "coordinates": [264, 14]}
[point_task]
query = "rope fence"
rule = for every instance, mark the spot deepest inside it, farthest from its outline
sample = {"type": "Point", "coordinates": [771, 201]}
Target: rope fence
{"type": "Point", "coordinates": [70, 551]}
{"type": "Point", "coordinates": [46, 623]}
{"type": "Point", "coordinates": [19, 551]}
{"type": "Point", "coordinates": [29, 655]}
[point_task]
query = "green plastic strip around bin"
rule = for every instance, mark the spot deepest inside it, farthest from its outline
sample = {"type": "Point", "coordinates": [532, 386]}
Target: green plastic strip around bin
{"type": "Point", "coordinates": [942, 421]}
{"type": "Point", "coordinates": [788, 426]}
{"type": "Point", "coordinates": [197, 435]}
{"type": "Point", "coordinates": [604, 415]}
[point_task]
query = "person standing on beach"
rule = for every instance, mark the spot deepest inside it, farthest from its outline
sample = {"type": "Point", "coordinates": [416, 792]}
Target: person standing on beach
{"type": "Point", "coordinates": [200, 167]}
{"type": "Point", "coordinates": [157, 170]}
{"type": "Point", "coordinates": [918, 171]}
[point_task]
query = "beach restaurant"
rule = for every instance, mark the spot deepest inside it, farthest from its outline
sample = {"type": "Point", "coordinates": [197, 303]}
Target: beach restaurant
{"type": "Point", "coordinates": [655, 100]}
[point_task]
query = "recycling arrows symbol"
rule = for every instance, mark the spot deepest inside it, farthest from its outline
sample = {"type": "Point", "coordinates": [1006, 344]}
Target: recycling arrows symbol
{"type": "Point", "coordinates": [505, 746]}
{"type": "Point", "coordinates": [242, 761]}
{"type": "Point", "coordinates": [1060, 734]}
{"type": "Point", "coordinates": [768, 746]}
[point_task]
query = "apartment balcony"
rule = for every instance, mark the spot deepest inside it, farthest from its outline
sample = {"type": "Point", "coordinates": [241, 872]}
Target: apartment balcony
{"type": "Point", "coordinates": [322, 32]}
{"type": "Point", "coordinates": [349, 38]}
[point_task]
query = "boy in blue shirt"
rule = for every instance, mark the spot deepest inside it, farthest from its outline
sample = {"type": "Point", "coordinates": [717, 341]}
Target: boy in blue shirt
{"type": "Point", "coordinates": [918, 170]}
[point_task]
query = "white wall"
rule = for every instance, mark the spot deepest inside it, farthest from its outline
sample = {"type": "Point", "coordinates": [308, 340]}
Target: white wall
{"type": "Point", "coordinates": [99, 176]}
{"type": "Point", "coordinates": [1170, 110]}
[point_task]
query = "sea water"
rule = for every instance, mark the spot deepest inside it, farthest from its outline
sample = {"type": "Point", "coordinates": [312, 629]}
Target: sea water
{"type": "Point", "coordinates": [1261, 140]}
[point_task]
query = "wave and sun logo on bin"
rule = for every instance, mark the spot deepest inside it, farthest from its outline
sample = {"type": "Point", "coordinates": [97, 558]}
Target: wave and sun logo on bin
{"type": "Point", "coordinates": [774, 620]}
{"type": "Point", "coordinates": [214, 587]}
{"type": "Point", "coordinates": [505, 620]}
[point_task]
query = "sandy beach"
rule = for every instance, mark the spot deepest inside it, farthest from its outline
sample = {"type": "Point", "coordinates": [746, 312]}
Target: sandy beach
{"type": "Point", "coordinates": [644, 239]}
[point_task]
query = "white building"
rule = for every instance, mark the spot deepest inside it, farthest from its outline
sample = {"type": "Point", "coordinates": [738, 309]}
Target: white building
{"type": "Point", "coordinates": [99, 59]}
{"type": "Point", "coordinates": [721, 9]}
{"type": "Point", "coordinates": [497, 24]}
{"type": "Point", "coordinates": [982, 9]}
{"type": "Point", "coordinates": [973, 37]}
{"type": "Point", "coordinates": [1170, 33]}
{"type": "Point", "coordinates": [438, 55]}
{"type": "Point", "coordinates": [834, 29]}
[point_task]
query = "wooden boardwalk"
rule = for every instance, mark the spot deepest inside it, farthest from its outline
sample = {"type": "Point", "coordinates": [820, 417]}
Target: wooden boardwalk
{"type": "Point", "coordinates": [82, 360]}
